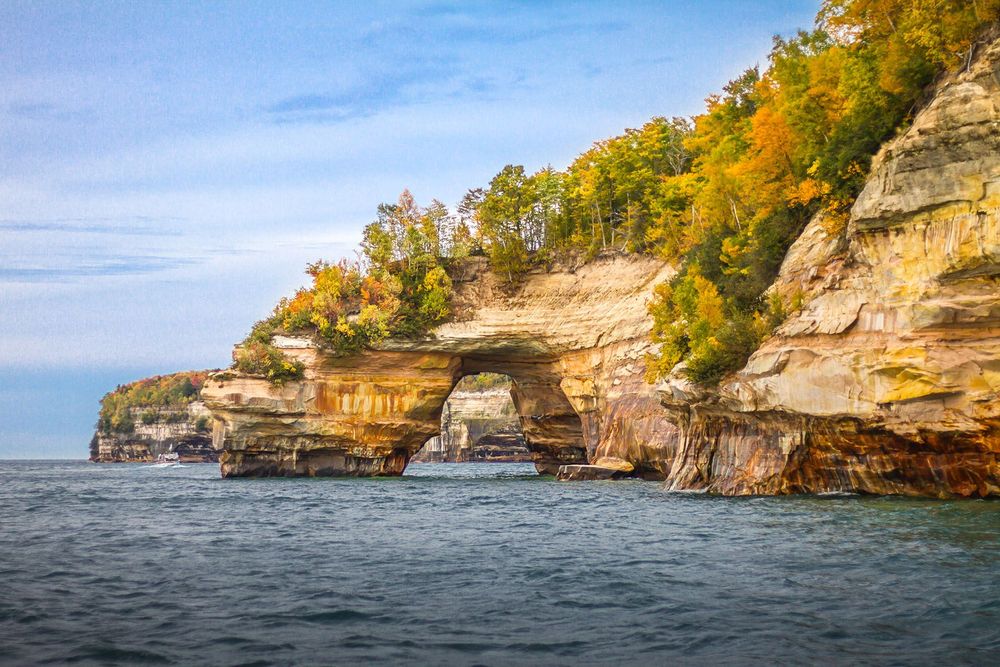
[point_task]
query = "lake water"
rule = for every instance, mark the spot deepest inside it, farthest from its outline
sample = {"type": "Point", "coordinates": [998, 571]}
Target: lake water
{"type": "Point", "coordinates": [480, 564]}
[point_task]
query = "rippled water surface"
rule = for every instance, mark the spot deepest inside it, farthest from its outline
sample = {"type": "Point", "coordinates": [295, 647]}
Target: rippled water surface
{"type": "Point", "coordinates": [480, 564]}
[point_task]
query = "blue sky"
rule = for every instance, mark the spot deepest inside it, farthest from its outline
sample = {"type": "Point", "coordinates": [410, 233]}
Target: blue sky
{"type": "Point", "coordinates": [168, 169]}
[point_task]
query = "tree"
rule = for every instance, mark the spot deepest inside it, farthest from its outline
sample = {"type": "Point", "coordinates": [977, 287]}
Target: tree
{"type": "Point", "coordinates": [503, 217]}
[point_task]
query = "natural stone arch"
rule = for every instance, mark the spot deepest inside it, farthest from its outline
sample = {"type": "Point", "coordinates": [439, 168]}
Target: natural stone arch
{"type": "Point", "coordinates": [553, 431]}
{"type": "Point", "coordinates": [369, 414]}
{"type": "Point", "coordinates": [573, 340]}
{"type": "Point", "coordinates": [479, 423]}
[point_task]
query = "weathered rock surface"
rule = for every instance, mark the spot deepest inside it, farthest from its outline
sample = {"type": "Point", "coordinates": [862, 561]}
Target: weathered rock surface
{"type": "Point", "coordinates": [172, 431]}
{"type": "Point", "coordinates": [887, 380]}
{"type": "Point", "coordinates": [581, 473]}
{"type": "Point", "coordinates": [572, 339]}
{"type": "Point", "coordinates": [477, 425]}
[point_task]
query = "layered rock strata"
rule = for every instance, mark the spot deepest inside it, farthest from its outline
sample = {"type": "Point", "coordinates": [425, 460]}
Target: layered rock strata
{"type": "Point", "coordinates": [477, 425]}
{"type": "Point", "coordinates": [185, 432]}
{"type": "Point", "coordinates": [887, 380]}
{"type": "Point", "coordinates": [571, 338]}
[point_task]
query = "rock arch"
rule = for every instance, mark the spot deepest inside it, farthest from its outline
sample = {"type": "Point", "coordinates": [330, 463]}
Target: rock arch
{"type": "Point", "coordinates": [479, 423]}
{"type": "Point", "coordinates": [572, 339]}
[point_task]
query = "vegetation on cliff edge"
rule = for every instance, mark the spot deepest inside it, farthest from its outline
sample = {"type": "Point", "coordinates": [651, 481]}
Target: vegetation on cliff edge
{"type": "Point", "coordinates": [161, 393]}
{"type": "Point", "coordinates": [724, 194]}
{"type": "Point", "coordinates": [400, 287]}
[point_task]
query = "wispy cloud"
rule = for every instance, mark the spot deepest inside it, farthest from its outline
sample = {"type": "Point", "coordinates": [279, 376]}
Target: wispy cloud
{"type": "Point", "coordinates": [137, 226]}
{"type": "Point", "coordinates": [451, 66]}
{"type": "Point", "coordinates": [32, 111]}
{"type": "Point", "coordinates": [510, 35]}
{"type": "Point", "coordinates": [507, 25]}
{"type": "Point", "coordinates": [66, 250]}
{"type": "Point", "coordinates": [421, 82]}
{"type": "Point", "coordinates": [123, 265]}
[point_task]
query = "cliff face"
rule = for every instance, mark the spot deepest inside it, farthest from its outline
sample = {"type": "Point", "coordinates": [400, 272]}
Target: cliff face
{"type": "Point", "coordinates": [168, 431]}
{"type": "Point", "coordinates": [886, 381]}
{"type": "Point", "coordinates": [477, 425]}
{"type": "Point", "coordinates": [572, 339]}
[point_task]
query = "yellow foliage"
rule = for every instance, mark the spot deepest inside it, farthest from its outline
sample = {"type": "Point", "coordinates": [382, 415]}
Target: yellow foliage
{"type": "Point", "coordinates": [807, 191]}
{"type": "Point", "coordinates": [710, 306]}
{"type": "Point", "coordinates": [344, 327]}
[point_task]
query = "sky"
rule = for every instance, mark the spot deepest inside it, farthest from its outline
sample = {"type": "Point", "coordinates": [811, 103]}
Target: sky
{"type": "Point", "coordinates": [168, 169]}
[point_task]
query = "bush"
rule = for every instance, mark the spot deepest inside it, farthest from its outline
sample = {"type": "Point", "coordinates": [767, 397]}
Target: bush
{"type": "Point", "coordinates": [733, 343]}
{"type": "Point", "coordinates": [257, 358]}
{"type": "Point", "coordinates": [402, 289]}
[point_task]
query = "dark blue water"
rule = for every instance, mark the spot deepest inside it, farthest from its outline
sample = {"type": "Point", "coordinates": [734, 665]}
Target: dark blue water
{"type": "Point", "coordinates": [480, 564]}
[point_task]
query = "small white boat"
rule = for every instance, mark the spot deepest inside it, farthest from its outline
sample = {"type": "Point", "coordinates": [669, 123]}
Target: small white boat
{"type": "Point", "coordinates": [168, 460]}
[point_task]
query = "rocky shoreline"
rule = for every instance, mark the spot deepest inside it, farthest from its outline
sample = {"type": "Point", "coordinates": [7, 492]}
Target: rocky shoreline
{"type": "Point", "coordinates": [153, 417]}
{"type": "Point", "coordinates": [172, 432]}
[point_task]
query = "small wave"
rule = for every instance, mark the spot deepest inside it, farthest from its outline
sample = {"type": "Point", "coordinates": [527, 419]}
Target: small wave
{"type": "Point", "coordinates": [189, 569]}
{"type": "Point", "coordinates": [113, 654]}
{"type": "Point", "coordinates": [335, 616]}
{"type": "Point", "coordinates": [687, 492]}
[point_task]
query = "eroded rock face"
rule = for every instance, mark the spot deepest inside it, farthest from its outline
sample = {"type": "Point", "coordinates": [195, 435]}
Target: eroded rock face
{"type": "Point", "coordinates": [887, 380]}
{"type": "Point", "coordinates": [572, 339]}
{"type": "Point", "coordinates": [477, 425]}
{"type": "Point", "coordinates": [172, 431]}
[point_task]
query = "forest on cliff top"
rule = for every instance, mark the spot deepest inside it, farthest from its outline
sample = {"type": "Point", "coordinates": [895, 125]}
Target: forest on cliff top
{"type": "Point", "coordinates": [723, 194]}
{"type": "Point", "coordinates": [170, 394]}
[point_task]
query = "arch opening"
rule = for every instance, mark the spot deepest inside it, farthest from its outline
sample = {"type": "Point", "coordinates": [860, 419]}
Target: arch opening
{"type": "Point", "coordinates": [501, 412]}
{"type": "Point", "coordinates": [479, 424]}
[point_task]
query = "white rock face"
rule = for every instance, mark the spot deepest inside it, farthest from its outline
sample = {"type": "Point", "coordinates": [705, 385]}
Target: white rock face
{"type": "Point", "coordinates": [170, 431]}
{"type": "Point", "coordinates": [477, 424]}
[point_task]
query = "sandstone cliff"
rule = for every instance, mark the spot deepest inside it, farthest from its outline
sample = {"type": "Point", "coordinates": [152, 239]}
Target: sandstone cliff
{"type": "Point", "coordinates": [477, 425]}
{"type": "Point", "coordinates": [572, 339]}
{"type": "Point", "coordinates": [156, 415]}
{"type": "Point", "coordinates": [886, 381]}
{"type": "Point", "coordinates": [185, 432]}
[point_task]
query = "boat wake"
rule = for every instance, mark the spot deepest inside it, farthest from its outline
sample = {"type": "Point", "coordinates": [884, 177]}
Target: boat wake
{"type": "Point", "coordinates": [170, 460]}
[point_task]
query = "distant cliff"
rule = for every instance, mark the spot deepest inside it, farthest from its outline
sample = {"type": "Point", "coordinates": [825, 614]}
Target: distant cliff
{"type": "Point", "coordinates": [477, 424]}
{"type": "Point", "coordinates": [158, 415]}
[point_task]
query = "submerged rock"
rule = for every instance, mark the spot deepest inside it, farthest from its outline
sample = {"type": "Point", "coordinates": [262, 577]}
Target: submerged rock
{"type": "Point", "coordinates": [579, 473]}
